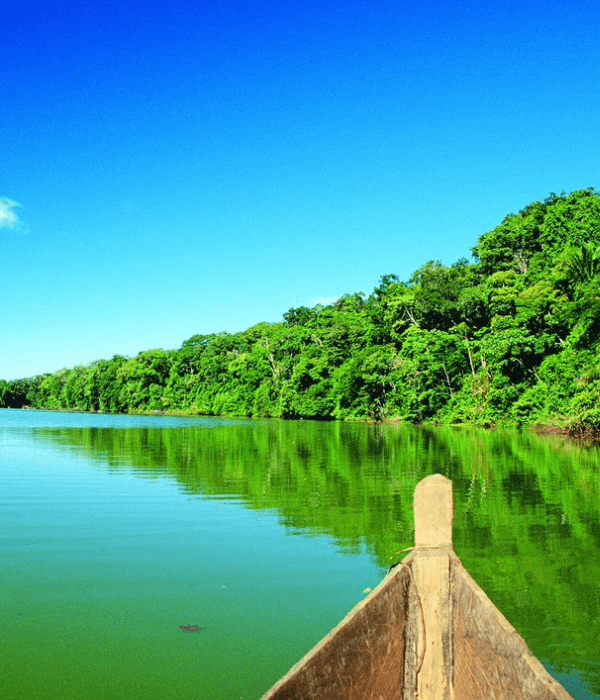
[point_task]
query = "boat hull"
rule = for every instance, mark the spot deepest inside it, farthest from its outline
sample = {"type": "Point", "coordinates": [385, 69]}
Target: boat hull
{"type": "Point", "coordinates": [427, 632]}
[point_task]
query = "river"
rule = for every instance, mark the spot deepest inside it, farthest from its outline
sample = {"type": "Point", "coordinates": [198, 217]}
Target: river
{"type": "Point", "coordinates": [118, 530]}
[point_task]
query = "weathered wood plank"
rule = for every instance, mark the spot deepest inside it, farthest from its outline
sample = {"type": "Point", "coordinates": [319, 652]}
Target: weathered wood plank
{"type": "Point", "coordinates": [431, 571]}
{"type": "Point", "coordinates": [427, 632]}
{"type": "Point", "coordinates": [491, 659]}
{"type": "Point", "coordinates": [434, 512]}
{"type": "Point", "coordinates": [361, 658]}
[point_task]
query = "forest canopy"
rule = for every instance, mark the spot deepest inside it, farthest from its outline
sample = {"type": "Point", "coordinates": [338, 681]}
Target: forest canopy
{"type": "Point", "coordinates": [512, 336]}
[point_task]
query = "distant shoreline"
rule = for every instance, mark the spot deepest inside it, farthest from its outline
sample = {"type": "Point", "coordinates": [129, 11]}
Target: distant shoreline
{"type": "Point", "coordinates": [539, 428]}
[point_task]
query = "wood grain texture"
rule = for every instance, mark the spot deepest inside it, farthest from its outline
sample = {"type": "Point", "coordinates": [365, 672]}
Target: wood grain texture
{"type": "Point", "coordinates": [427, 632]}
{"type": "Point", "coordinates": [361, 658]}
{"type": "Point", "coordinates": [431, 571]}
{"type": "Point", "coordinates": [434, 512]}
{"type": "Point", "coordinates": [491, 659]}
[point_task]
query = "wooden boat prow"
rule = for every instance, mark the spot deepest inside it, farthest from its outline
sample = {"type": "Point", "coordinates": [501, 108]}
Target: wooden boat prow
{"type": "Point", "coordinates": [427, 632]}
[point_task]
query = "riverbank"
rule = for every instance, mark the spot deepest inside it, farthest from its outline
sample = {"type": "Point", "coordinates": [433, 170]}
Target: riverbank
{"type": "Point", "coordinates": [564, 426]}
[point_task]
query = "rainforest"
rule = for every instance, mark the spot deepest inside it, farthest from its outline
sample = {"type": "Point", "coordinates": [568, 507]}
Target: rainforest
{"type": "Point", "coordinates": [511, 337]}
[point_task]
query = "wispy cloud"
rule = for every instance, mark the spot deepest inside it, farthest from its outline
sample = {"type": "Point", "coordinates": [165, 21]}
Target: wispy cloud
{"type": "Point", "coordinates": [324, 301]}
{"type": "Point", "coordinates": [8, 217]}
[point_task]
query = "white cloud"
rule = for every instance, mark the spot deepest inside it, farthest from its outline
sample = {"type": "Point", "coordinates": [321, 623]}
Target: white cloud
{"type": "Point", "coordinates": [8, 218]}
{"type": "Point", "coordinates": [324, 301]}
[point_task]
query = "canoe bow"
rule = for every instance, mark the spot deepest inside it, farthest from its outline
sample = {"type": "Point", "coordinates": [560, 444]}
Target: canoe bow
{"type": "Point", "coordinates": [427, 632]}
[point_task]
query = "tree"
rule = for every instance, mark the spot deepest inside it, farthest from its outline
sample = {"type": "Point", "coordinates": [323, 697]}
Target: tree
{"type": "Point", "coordinates": [143, 379]}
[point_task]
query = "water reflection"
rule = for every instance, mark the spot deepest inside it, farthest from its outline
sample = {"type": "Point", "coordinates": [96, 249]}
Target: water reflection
{"type": "Point", "coordinates": [356, 481]}
{"type": "Point", "coordinates": [527, 507]}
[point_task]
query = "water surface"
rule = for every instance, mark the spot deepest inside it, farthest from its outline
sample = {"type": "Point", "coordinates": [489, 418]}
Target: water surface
{"type": "Point", "coordinates": [116, 530]}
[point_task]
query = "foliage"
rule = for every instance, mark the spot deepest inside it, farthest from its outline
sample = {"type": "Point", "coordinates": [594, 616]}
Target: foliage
{"type": "Point", "coordinates": [512, 336]}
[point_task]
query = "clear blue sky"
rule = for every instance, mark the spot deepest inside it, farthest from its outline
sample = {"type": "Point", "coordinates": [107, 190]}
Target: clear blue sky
{"type": "Point", "coordinates": [185, 167]}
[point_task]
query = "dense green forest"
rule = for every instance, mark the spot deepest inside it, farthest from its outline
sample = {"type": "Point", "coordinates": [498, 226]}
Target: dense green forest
{"type": "Point", "coordinates": [512, 336]}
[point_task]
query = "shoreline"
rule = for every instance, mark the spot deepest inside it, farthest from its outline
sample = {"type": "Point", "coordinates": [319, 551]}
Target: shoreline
{"type": "Point", "coordinates": [559, 428]}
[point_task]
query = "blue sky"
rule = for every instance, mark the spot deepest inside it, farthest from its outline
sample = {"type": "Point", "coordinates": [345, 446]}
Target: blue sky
{"type": "Point", "coordinates": [178, 168]}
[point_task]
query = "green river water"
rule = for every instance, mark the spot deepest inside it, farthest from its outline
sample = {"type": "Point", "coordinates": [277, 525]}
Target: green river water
{"type": "Point", "coordinates": [116, 530]}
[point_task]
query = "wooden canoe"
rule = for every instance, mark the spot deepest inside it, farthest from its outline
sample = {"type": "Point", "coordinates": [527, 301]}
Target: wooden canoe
{"type": "Point", "coordinates": [427, 632]}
